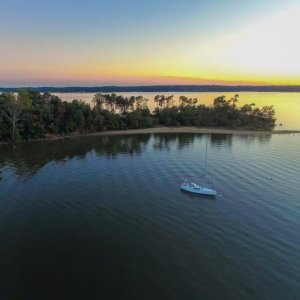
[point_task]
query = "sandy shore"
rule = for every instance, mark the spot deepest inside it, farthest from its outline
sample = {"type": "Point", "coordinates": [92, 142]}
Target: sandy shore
{"type": "Point", "coordinates": [191, 129]}
{"type": "Point", "coordinates": [166, 130]}
{"type": "Point", "coordinates": [179, 130]}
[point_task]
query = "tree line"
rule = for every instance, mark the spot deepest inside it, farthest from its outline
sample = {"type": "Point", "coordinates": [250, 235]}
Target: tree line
{"type": "Point", "coordinates": [30, 114]}
{"type": "Point", "coordinates": [160, 89]}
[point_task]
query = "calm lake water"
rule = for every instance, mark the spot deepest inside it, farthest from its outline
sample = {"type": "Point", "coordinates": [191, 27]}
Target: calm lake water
{"type": "Point", "coordinates": [287, 105]}
{"type": "Point", "coordinates": [103, 218]}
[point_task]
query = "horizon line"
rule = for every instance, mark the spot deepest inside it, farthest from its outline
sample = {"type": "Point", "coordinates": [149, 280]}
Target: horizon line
{"type": "Point", "coordinates": [158, 89]}
{"type": "Point", "coordinates": [146, 85]}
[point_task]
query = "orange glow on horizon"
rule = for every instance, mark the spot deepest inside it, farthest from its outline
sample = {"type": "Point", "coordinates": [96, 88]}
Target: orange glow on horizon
{"type": "Point", "coordinates": [264, 52]}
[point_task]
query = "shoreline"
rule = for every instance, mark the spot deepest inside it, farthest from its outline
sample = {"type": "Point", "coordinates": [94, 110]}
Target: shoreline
{"type": "Point", "coordinates": [164, 88]}
{"type": "Point", "coordinates": [158, 130]}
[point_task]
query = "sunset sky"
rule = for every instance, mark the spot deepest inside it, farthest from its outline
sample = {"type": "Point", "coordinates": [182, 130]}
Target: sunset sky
{"type": "Point", "coordinates": [136, 42]}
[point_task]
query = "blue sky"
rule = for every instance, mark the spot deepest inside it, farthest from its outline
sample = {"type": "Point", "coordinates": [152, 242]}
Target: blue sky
{"type": "Point", "coordinates": [77, 36]}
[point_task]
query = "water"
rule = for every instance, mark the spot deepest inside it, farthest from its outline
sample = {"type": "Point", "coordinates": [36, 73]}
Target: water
{"type": "Point", "coordinates": [103, 218]}
{"type": "Point", "coordinates": [287, 105]}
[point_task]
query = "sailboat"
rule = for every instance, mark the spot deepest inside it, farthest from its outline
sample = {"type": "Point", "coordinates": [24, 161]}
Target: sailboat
{"type": "Point", "coordinates": [192, 187]}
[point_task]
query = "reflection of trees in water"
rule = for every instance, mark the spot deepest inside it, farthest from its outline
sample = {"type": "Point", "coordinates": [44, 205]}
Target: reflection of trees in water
{"type": "Point", "coordinates": [27, 159]}
{"type": "Point", "coordinates": [224, 140]}
{"type": "Point", "coordinates": [111, 146]}
{"type": "Point", "coordinates": [185, 140]}
{"type": "Point", "coordinates": [163, 141]}
{"type": "Point", "coordinates": [251, 139]}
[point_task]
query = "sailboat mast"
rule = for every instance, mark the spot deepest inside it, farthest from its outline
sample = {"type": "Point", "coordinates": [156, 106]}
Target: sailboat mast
{"type": "Point", "coordinates": [205, 154]}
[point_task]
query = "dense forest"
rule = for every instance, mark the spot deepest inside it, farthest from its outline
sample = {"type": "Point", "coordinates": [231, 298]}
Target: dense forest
{"type": "Point", "coordinates": [31, 114]}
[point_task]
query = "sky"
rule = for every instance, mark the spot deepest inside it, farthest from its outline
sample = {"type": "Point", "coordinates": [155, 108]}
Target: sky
{"type": "Point", "coordinates": [137, 42]}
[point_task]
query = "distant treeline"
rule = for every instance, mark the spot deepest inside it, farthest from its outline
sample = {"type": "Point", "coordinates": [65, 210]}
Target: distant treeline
{"type": "Point", "coordinates": [160, 89]}
{"type": "Point", "coordinates": [32, 115]}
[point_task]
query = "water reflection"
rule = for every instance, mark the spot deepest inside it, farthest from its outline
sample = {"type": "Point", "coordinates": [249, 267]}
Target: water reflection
{"type": "Point", "coordinates": [221, 139]}
{"type": "Point", "coordinates": [164, 141]}
{"type": "Point", "coordinates": [112, 146]}
{"type": "Point", "coordinates": [27, 159]}
{"type": "Point", "coordinates": [180, 141]}
{"type": "Point", "coordinates": [262, 139]}
{"type": "Point", "coordinates": [184, 140]}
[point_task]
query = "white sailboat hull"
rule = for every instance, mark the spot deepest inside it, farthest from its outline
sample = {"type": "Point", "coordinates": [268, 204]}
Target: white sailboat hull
{"type": "Point", "coordinates": [197, 189]}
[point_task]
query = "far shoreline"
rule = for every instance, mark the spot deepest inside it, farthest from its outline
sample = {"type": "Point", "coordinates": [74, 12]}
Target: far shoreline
{"type": "Point", "coordinates": [165, 88]}
{"type": "Point", "coordinates": [158, 130]}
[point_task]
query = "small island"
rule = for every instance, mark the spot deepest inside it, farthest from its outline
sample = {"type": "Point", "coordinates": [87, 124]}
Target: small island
{"type": "Point", "coordinates": [31, 115]}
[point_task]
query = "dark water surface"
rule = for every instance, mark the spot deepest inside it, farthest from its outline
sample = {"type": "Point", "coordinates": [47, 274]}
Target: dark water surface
{"type": "Point", "coordinates": [103, 218]}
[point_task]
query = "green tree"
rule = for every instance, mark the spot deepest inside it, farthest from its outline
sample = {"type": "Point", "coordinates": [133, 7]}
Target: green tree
{"type": "Point", "coordinates": [185, 101]}
{"type": "Point", "coordinates": [99, 99]}
{"type": "Point", "coordinates": [160, 101]}
{"type": "Point", "coordinates": [12, 110]}
{"type": "Point", "coordinates": [141, 102]}
{"type": "Point", "coordinates": [25, 99]}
